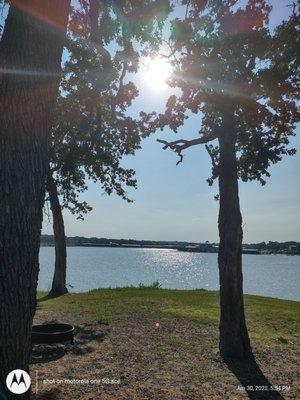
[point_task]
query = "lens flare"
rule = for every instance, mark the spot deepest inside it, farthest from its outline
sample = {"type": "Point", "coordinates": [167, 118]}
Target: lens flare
{"type": "Point", "coordinates": [155, 73]}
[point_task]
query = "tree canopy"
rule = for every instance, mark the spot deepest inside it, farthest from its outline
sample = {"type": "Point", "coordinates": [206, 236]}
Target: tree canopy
{"type": "Point", "coordinates": [226, 58]}
{"type": "Point", "coordinates": [242, 80]}
{"type": "Point", "coordinates": [94, 130]}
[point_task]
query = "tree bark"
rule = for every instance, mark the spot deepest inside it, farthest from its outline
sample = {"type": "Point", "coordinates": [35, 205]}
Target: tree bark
{"type": "Point", "coordinates": [234, 339]}
{"type": "Point", "coordinates": [59, 278]}
{"type": "Point", "coordinates": [30, 64]}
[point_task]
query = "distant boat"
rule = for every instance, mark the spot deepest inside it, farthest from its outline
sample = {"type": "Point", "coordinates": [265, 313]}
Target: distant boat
{"type": "Point", "coordinates": [201, 248]}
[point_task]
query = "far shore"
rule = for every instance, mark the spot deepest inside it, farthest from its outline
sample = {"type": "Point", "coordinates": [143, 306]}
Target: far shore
{"type": "Point", "coordinates": [170, 247]}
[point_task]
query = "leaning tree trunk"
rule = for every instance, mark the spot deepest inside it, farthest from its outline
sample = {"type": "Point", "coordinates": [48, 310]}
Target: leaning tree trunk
{"type": "Point", "coordinates": [30, 58]}
{"type": "Point", "coordinates": [234, 340]}
{"type": "Point", "coordinates": [59, 278]}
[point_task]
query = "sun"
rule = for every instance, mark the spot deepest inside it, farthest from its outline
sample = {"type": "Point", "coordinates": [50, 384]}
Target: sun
{"type": "Point", "coordinates": [155, 72]}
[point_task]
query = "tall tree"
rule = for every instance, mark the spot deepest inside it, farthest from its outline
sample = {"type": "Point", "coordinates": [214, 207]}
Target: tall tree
{"type": "Point", "coordinates": [30, 57]}
{"type": "Point", "coordinates": [242, 79]}
{"type": "Point", "coordinates": [93, 130]}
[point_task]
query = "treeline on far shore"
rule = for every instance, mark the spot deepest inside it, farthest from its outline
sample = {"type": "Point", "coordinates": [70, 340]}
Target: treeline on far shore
{"type": "Point", "coordinates": [270, 247]}
{"type": "Point", "coordinates": [48, 240]}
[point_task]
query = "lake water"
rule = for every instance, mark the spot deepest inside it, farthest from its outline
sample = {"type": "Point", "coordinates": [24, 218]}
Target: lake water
{"type": "Point", "coordinates": [91, 268]}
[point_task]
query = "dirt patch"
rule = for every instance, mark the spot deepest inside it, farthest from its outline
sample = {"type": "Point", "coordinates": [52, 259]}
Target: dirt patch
{"type": "Point", "coordinates": [134, 359]}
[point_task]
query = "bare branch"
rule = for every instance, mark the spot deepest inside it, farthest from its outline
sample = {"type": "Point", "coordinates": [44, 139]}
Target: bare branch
{"type": "Point", "coordinates": [122, 76]}
{"type": "Point", "coordinates": [172, 54]}
{"type": "Point", "coordinates": [178, 145]}
{"type": "Point", "coordinates": [121, 84]}
{"type": "Point", "coordinates": [187, 9]}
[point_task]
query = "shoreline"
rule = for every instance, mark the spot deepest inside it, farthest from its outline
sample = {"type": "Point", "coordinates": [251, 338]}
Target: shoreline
{"type": "Point", "coordinates": [245, 251]}
{"type": "Point", "coordinates": [162, 289]}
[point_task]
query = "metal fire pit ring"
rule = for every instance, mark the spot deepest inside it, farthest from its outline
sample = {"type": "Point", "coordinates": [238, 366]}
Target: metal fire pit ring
{"type": "Point", "coordinates": [52, 333]}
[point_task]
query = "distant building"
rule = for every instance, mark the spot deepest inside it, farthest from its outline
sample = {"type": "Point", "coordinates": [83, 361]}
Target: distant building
{"type": "Point", "coordinates": [199, 248]}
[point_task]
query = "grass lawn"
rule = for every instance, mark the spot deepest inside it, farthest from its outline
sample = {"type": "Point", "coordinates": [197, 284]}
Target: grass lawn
{"type": "Point", "coordinates": [120, 349]}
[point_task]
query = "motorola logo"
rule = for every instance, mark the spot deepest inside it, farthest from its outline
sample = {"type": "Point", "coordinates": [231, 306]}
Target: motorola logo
{"type": "Point", "coordinates": [18, 381]}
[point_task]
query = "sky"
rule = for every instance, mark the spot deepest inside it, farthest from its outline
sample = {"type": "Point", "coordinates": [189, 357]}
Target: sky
{"type": "Point", "coordinates": [175, 202]}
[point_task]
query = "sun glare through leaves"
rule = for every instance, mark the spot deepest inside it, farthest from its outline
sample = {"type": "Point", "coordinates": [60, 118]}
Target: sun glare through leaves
{"type": "Point", "coordinates": [155, 73]}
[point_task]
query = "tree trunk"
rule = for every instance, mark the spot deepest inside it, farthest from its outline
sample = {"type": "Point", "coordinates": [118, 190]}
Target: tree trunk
{"type": "Point", "coordinates": [234, 339]}
{"type": "Point", "coordinates": [59, 278]}
{"type": "Point", "coordinates": [30, 62]}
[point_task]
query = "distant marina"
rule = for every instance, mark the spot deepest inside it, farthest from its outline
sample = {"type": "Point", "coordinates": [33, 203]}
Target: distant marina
{"type": "Point", "coordinates": [198, 248]}
{"type": "Point", "coordinates": [287, 248]}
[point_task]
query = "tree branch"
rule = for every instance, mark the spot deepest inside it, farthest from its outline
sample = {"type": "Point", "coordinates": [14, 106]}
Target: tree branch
{"type": "Point", "coordinates": [178, 145]}
{"type": "Point", "coordinates": [54, 169]}
{"type": "Point", "coordinates": [121, 84]}
{"type": "Point", "coordinates": [211, 156]}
